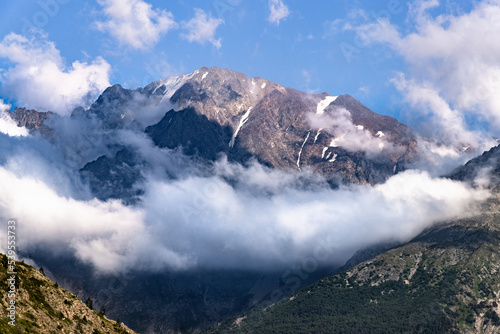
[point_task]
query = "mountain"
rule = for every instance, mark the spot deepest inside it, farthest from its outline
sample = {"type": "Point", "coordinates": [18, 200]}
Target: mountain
{"type": "Point", "coordinates": [222, 111]}
{"type": "Point", "coordinates": [218, 111]}
{"type": "Point", "coordinates": [32, 120]}
{"type": "Point", "coordinates": [42, 306]}
{"type": "Point", "coordinates": [206, 115]}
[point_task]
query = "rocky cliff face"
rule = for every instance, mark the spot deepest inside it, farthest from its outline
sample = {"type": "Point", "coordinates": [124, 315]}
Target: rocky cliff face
{"type": "Point", "coordinates": [242, 117]}
{"type": "Point", "coordinates": [32, 119]}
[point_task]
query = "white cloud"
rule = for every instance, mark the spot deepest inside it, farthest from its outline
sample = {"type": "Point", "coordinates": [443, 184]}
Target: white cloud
{"type": "Point", "coordinates": [444, 122]}
{"type": "Point", "coordinates": [4, 106]}
{"type": "Point", "coordinates": [278, 11]}
{"type": "Point", "coordinates": [106, 234]}
{"type": "Point", "coordinates": [241, 217]}
{"type": "Point", "coordinates": [454, 66]}
{"type": "Point", "coordinates": [201, 28]}
{"type": "Point", "coordinates": [39, 79]}
{"type": "Point", "coordinates": [353, 138]}
{"type": "Point", "coordinates": [135, 22]}
{"type": "Point", "coordinates": [7, 124]}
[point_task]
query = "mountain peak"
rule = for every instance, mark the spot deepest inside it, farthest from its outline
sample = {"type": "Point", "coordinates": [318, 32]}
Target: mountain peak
{"type": "Point", "coordinates": [273, 123]}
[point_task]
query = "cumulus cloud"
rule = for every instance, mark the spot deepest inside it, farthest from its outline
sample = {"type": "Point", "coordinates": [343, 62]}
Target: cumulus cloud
{"type": "Point", "coordinates": [278, 11]}
{"type": "Point", "coordinates": [201, 28]}
{"type": "Point", "coordinates": [454, 67]}
{"type": "Point", "coordinates": [39, 79]}
{"type": "Point", "coordinates": [135, 23]}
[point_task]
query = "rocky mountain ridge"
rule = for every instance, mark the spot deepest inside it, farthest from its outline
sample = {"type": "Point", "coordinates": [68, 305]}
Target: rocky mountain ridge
{"type": "Point", "coordinates": [217, 111]}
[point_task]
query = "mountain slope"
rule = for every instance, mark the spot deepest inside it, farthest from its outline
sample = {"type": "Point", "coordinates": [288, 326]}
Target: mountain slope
{"type": "Point", "coordinates": [444, 281]}
{"type": "Point", "coordinates": [44, 307]}
{"type": "Point", "coordinates": [273, 124]}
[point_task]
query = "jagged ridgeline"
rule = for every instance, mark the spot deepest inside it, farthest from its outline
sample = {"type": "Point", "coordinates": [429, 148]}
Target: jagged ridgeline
{"type": "Point", "coordinates": [217, 111]}
{"type": "Point", "coordinates": [42, 306]}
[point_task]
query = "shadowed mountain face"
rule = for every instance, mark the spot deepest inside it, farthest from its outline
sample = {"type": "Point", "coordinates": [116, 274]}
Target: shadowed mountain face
{"type": "Point", "coordinates": [195, 134]}
{"type": "Point", "coordinates": [483, 170]}
{"type": "Point", "coordinates": [115, 177]}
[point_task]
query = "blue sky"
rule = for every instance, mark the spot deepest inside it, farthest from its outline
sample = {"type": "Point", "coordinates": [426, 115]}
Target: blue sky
{"type": "Point", "coordinates": [338, 46]}
{"type": "Point", "coordinates": [300, 52]}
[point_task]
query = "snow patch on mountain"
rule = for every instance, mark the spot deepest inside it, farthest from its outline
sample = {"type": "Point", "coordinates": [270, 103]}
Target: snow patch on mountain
{"type": "Point", "coordinates": [243, 120]}
{"type": "Point", "coordinates": [317, 135]}
{"type": "Point", "coordinates": [324, 151]}
{"type": "Point", "coordinates": [325, 103]}
{"type": "Point", "coordinates": [301, 148]}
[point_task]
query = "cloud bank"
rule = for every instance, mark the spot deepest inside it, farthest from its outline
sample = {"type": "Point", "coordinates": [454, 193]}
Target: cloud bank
{"type": "Point", "coordinates": [39, 79]}
{"type": "Point", "coordinates": [229, 216]}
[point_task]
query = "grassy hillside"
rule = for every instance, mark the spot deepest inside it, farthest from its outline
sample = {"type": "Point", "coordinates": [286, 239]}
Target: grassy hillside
{"type": "Point", "coordinates": [445, 281]}
{"type": "Point", "coordinates": [44, 307]}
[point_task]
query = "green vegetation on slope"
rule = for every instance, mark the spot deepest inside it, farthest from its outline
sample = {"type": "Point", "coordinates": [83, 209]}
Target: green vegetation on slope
{"type": "Point", "coordinates": [41, 306]}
